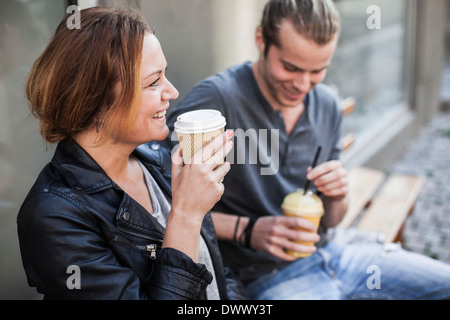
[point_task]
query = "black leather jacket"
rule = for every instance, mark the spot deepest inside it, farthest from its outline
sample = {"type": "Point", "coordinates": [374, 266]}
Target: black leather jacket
{"type": "Point", "coordinates": [82, 237]}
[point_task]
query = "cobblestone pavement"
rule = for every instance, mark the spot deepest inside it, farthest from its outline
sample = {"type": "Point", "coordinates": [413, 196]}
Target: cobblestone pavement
{"type": "Point", "coordinates": [427, 231]}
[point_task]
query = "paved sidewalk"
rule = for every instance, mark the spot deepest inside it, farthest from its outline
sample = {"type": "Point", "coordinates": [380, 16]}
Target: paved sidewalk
{"type": "Point", "coordinates": [427, 231]}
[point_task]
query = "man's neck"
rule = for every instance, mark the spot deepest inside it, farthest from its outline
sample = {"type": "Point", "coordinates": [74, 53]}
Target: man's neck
{"type": "Point", "coordinates": [291, 115]}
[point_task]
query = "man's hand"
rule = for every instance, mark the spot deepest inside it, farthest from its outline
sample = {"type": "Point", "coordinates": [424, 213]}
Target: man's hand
{"type": "Point", "coordinates": [330, 178]}
{"type": "Point", "coordinates": [274, 234]}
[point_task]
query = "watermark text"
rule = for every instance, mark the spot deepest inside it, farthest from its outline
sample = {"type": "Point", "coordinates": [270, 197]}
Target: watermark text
{"type": "Point", "coordinates": [73, 21]}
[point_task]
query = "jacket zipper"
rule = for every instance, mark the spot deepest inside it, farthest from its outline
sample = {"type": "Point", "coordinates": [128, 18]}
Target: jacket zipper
{"type": "Point", "coordinates": [149, 247]}
{"type": "Point", "coordinates": [152, 249]}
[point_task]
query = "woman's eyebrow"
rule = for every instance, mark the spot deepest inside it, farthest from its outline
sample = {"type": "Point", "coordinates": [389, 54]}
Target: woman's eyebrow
{"type": "Point", "coordinates": [158, 72]}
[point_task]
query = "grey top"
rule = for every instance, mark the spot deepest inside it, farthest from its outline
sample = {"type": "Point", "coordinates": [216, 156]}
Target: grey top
{"type": "Point", "coordinates": [161, 209]}
{"type": "Point", "coordinates": [267, 163]}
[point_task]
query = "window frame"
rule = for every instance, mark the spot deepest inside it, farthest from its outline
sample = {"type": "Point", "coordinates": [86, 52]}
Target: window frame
{"type": "Point", "coordinates": [378, 146]}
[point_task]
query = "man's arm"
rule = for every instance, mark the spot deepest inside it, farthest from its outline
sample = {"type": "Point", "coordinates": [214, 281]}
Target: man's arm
{"type": "Point", "coordinates": [274, 234]}
{"type": "Point", "coordinates": [225, 225]}
{"type": "Point", "coordinates": [270, 234]}
{"type": "Point", "coordinates": [335, 207]}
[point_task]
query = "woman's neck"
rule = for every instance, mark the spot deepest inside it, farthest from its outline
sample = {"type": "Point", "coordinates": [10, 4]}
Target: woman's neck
{"type": "Point", "coordinates": [114, 158]}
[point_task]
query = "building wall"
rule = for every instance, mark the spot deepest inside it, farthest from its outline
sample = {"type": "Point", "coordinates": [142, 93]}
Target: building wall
{"type": "Point", "coordinates": [25, 28]}
{"type": "Point", "coordinates": [202, 37]}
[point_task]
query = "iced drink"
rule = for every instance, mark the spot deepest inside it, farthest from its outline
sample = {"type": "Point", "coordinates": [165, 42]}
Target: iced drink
{"type": "Point", "coordinates": [308, 206]}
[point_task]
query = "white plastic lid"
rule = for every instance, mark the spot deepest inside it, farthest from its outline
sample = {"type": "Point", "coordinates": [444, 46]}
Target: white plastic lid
{"type": "Point", "coordinates": [199, 121]}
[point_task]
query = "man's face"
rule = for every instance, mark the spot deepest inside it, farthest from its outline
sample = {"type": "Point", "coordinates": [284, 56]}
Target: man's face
{"type": "Point", "coordinates": [288, 73]}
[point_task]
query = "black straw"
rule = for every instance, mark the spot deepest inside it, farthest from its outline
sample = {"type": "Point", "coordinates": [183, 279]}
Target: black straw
{"type": "Point", "coordinates": [316, 157]}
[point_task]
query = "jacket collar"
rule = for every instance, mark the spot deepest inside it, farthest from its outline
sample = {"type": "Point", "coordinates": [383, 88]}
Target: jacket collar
{"type": "Point", "coordinates": [83, 173]}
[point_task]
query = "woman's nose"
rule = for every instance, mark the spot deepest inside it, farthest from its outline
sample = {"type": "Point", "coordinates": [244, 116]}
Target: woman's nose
{"type": "Point", "coordinates": [170, 92]}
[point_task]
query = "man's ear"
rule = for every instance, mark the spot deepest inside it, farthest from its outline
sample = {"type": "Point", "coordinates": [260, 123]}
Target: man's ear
{"type": "Point", "coordinates": [259, 39]}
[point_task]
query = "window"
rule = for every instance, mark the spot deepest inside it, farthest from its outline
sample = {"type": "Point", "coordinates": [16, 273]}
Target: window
{"type": "Point", "coordinates": [370, 64]}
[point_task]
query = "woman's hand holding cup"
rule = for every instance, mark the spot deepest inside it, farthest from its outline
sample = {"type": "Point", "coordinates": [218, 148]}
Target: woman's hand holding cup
{"type": "Point", "coordinates": [196, 185]}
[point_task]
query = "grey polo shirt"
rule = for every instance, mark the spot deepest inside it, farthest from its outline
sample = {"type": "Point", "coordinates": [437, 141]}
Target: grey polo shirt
{"type": "Point", "coordinates": [266, 162]}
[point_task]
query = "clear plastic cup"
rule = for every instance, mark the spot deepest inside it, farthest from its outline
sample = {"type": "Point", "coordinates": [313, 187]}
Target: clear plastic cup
{"type": "Point", "coordinates": [308, 206]}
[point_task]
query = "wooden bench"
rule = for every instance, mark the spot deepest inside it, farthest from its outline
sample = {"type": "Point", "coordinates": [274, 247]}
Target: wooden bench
{"type": "Point", "coordinates": [376, 202]}
{"type": "Point", "coordinates": [379, 203]}
{"type": "Point", "coordinates": [348, 106]}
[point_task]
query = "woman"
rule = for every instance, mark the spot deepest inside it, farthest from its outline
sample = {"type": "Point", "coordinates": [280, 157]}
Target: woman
{"type": "Point", "coordinates": [109, 217]}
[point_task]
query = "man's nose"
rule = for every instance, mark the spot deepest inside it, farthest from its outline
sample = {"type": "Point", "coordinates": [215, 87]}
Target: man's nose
{"type": "Point", "coordinates": [302, 82]}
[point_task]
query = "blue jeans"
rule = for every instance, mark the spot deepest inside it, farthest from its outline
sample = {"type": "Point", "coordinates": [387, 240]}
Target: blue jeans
{"type": "Point", "coordinates": [356, 271]}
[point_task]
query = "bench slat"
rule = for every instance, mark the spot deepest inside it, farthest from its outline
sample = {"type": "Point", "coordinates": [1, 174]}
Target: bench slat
{"type": "Point", "coordinates": [348, 141]}
{"type": "Point", "coordinates": [348, 105]}
{"type": "Point", "coordinates": [363, 183]}
{"type": "Point", "coordinates": [391, 206]}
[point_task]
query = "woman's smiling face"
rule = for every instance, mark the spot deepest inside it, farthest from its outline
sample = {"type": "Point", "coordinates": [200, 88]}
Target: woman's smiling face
{"type": "Point", "coordinates": [156, 94]}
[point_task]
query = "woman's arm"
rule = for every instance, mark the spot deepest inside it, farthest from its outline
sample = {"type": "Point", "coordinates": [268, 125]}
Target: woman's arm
{"type": "Point", "coordinates": [195, 190]}
{"type": "Point", "coordinates": [67, 255]}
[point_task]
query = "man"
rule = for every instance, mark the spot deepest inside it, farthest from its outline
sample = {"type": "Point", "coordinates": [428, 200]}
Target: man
{"type": "Point", "coordinates": [278, 106]}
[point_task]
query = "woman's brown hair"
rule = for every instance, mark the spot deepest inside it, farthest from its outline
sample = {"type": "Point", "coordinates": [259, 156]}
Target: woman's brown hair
{"type": "Point", "coordinates": [89, 76]}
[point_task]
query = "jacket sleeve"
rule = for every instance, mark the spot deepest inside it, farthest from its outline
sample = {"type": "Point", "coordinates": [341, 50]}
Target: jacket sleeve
{"type": "Point", "coordinates": [170, 270]}
{"type": "Point", "coordinates": [67, 256]}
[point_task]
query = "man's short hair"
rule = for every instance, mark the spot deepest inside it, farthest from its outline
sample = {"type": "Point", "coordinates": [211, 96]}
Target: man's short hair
{"type": "Point", "coordinates": [316, 20]}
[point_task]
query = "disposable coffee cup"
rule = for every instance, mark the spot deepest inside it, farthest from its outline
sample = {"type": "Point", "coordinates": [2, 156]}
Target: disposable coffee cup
{"type": "Point", "coordinates": [306, 205]}
{"type": "Point", "coordinates": [195, 129]}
